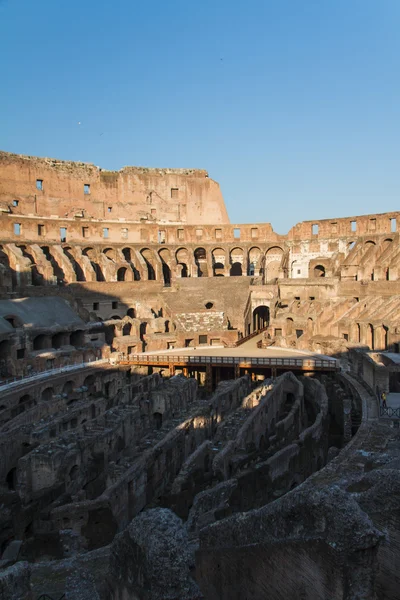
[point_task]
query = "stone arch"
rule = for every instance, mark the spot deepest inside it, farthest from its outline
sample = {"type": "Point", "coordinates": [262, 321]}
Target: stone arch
{"type": "Point", "coordinates": [310, 326]}
{"type": "Point", "coordinates": [236, 256]}
{"type": "Point", "coordinates": [260, 317]}
{"type": "Point", "coordinates": [370, 243]}
{"type": "Point", "coordinates": [236, 269]}
{"type": "Point", "coordinates": [182, 261]}
{"type": "Point", "coordinates": [131, 312]}
{"type": "Point", "coordinates": [90, 383]}
{"type": "Point", "coordinates": [67, 388]}
{"type": "Point", "coordinates": [111, 254]}
{"type": "Point", "coordinates": [254, 256]}
{"type": "Point", "coordinates": [121, 273]}
{"type": "Point", "coordinates": [148, 258]}
{"type": "Point", "coordinates": [370, 336]}
{"type": "Point", "coordinates": [273, 259]}
{"type": "Point", "coordinates": [127, 329]}
{"type": "Point", "coordinates": [165, 257]}
{"type": "Point", "coordinates": [158, 419]}
{"type": "Point", "coordinates": [73, 473]}
{"type": "Point", "coordinates": [218, 262]}
{"type": "Point", "coordinates": [11, 479]}
{"type": "Point", "coordinates": [47, 394]}
{"type": "Point", "coordinates": [80, 275]}
{"type": "Point", "coordinates": [200, 258]}
{"type": "Point", "coordinates": [289, 326]}
{"type": "Point", "coordinates": [129, 254]}
{"type": "Point", "coordinates": [42, 342]}
{"type": "Point", "coordinates": [92, 256]}
{"type": "Point", "coordinates": [77, 338]}
{"type": "Point", "coordinates": [319, 271]}
{"type": "Point", "coordinates": [5, 349]}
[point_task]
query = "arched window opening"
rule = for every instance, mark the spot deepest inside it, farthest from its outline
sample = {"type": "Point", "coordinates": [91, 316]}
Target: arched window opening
{"type": "Point", "coordinates": [289, 326]}
{"type": "Point", "coordinates": [200, 258]}
{"type": "Point", "coordinates": [11, 479]}
{"type": "Point", "coordinates": [148, 257]}
{"type": "Point", "coordinates": [158, 418]}
{"type": "Point", "coordinates": [42, 342]}
{"type": "Point", "coordinates": [236, 270]}
{"type": "Point", "coordinates": [58, 340]}
{"type": "Point", "coordinates": [5, 348]}
{"type": "Point", "coordinates": [127, 329]}
{"type": "Point", "coordinates": [73, 473]}
{"type": "Point", "coordinates": [131, 313]}
{"type": "Point", "coordinates": [47, 394]}
{"type": "Point", "coordinates": [121, 274]}
{"type": "Point", "coordinates": [78, 338]}
{"type": "Point", "coordinates": [218, 269]}
{"type": "Point", "coordinates": [80, 275]}
{"type": "Point", "coordinates": [319, 271]}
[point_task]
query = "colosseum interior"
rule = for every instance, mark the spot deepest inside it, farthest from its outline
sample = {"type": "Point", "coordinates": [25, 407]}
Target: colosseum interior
{"type": "Point", "coordinates": [190, 408]}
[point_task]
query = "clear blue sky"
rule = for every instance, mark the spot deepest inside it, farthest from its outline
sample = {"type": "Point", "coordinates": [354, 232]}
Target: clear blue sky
{"type": "Point", "coordinates": [293, 106]}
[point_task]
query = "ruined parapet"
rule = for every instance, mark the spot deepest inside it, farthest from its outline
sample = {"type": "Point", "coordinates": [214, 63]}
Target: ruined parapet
{"type": "Point", "coordinates": [151, 560]}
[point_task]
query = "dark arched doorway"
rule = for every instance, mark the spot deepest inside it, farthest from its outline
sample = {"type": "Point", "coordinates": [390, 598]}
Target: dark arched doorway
{"type": "Point", "coordinates": [260, 317]}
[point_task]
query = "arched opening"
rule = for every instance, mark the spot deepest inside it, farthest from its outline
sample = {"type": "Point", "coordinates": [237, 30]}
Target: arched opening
{"type": "Point", "coordinates": [73, 473]}
{"type": "Point", "coordinates": [370, 336]}
{"type": "Point", "coordinates": [182, 259]}
{"type": "Point", "coordinates": [67, 388]}
{"type": "Point", "coordinates": [289, 326]}
{"type": "Point", "coordinates": [57, 270]}
{"type": "Point", "coordinates": [200, 258]}
{"type": "Point", "coordinates": [80, 275]}
{"type": "Point", "coordinates": [165, 258]}
{"type": "Point", "coordinates": [254, 261]}
{"type": "Point", "coordinates": [319, 271]}
{"type": "Point", "coordinates": [111, 254]}
{"type": "Point", "coordinates": [90, 384]}
{"type": "Point", "coordinates": [143, 327]}
{"type": "Point", "coordinates": [236, 260]}
{"type": "Point", "coordinates": [310, 326]}
{"type": "Point", "coordinates": [131, 313]}
{"type": "Point", "coordinates": [127, 329]}
{"type": "Point", "coordinates": [236, 270]}
{"type": "Point", "coordinates": [77, 338]}
{"type": "Point", "coordinates": [92, 256]}
{"type": "Point", "coordinates": [273, 259]}
{"type": "Point", "coordinates": [58, 340]}
{"type": "Point", "coordinates": [128, 255]}
{"type": "Point", "coordinates": [148, 257]}
{"type": "Point", "coordinates": [385, 337]}
{"type": "Point", "coordinates": [260, 317]}
{"type": "Point", "coordinates": [218, 262]}
{"type": "Point", "coordinates": [166, 324]}
{"type": "Point", "coordinates": [209, 305]}
{"type": "Point", "coordinates": [47, 394]}
{"type": "Point", "coordinates": [218, 269]}
{"type": "Point", "coordinates": [5, 348]}
{"type": "Point", "coordinates": [158, 418]}
{"type": "Point", "coordinates": [11, 479]}
{"type": "Point", "coordinates": [121, 273]}
{"type": "Point", "coordinates": [42, 342]}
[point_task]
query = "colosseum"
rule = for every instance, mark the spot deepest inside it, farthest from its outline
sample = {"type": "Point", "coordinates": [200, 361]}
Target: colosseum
{"type": "Point", "coordinates": [192, 408]}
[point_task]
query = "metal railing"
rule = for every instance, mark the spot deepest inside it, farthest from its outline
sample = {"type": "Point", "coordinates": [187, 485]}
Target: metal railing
{"type": "Point", "coordinates": [250, 336]}
{"type": "Point", "coordinates": [38, 375]}
{"type": "Point", "coordinates": [170, 359]}
{"type": "Point", "coordinates": [393, 413]}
